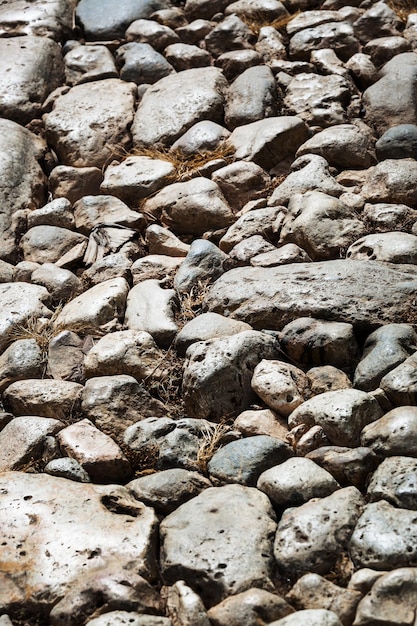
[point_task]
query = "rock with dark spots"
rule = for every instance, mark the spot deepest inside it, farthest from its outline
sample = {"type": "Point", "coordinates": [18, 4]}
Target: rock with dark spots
{"type": "Point", "coordinates": [252, 96]}
{"type": "Point", "coordinates": [266, 222]}
{"type": "Point", "coordinates": [312, 617]}
{"type": "Point", "coordinates": [384, 349]}
{"type": "Point", "coordinates": [185, 606]}
{"type": "Point", "coordinates": [240, 556]}
{"type": "Point", "coordinates": [385, 537]}
{"type": "Point", "coordinates": [391, 181]}
{"type": "Point", "coordinates": [380, 20]}
{"type": "Point", "coordinates": [66, 467]}
{"type": "Point", "coordinates": [22, 359]}
{"type": "Point", "coordinates": [282, 386]}
{"type": "Point", "coordinates": [391, 247]}
{"type": "Point", "coordinates": [203, 263]}
{"type": "Point", "coordinates": [252, 608]}
{"type": "Point", "coordinates": [339, 36]}
{"type": "Point", "coordinates": [47, 398]}
{"type": "Point", "coordinates": [22, 440]}
{"type": "Point", "coordinates": [165, 491]}
{"type": "Point", "coordinates": [74, 182]}
{"type": "Point", "coordinates": [141, 64]}
{"type": "Point", "coordinates": [400, 384]}
{"type": "Point", "coordinates": [398, 142]}
{"type": "Point", "coordinates": [310, 537]}
{"type": "Point", "coordinates": [129, 618]}
{"type": "Point", "coordinates": [393, 434]}
{"type": "Point", "coordinates": [218, 372]}
{"type": "Point", "coordinates": [84, 64]}
{"type": "Point", "coordinates": [349, 466]}
{"type": "Point", "coordinates": [244, 460]}
{"type": "Point", "coordinates": [394, 481]}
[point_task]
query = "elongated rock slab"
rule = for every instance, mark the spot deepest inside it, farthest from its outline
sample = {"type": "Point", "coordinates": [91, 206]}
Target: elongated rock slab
{"type": "Point", "coordinates": [366, 294]}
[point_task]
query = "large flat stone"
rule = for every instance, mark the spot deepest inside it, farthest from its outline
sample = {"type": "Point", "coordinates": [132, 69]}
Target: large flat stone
{"type": "Point", "coordinates": [363, 293]}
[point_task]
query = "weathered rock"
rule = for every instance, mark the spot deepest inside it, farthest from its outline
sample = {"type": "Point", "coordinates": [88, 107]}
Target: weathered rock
{"type": "Point", "coordinates": [141, 64]}
{"type": "Point", "coordinates": [363, 70]}
{"type": "Point", "coordinates": [217, 373]}
{"type": "Point", "coordinates": [204, 9]}
{"type": "Point", "coordinates": [252, 96]}
{"type": "Point", "coordinates": [385, 217]}
{"type": "Point", "coordinates": [261, 422]}
{"type": "Point", "coordinates": [129, 618]}
{"type": "Point", "coordinates": [66, 352]}
{"type": "Point", "coordinates": [58, 212]}
{"type": "Point", "coordinates": [184, 606]}
{"type": "Point", "coordinates": [243, 461]}
{"type": "Point", "coordinates": [115, 265]}
{"type": "Point", "coordinates": [231, 34]}
{"type": "Point", "coordinates": [50, 18]}
{"type": "Point", "coordinates": [22, 440]}
{"type": "Point", "coordinates": [207, 326]}
{"type": "Point", "coordinates": [175, 103]}
{"type": "Point", "coordinates": [203, 263]}
{"type": "Point", "coordinates": [156, 267]}
{"type": "Point", "coordinates": [393, 434]}
{"type": "Point", "coordinates": [63, 543]}
{"type": "Point", "coordinates": [184, 56]}
{"type": "Point", "coordinates": [288, 253]}
{"type": "Point", "coordinates": [242, 182]}
{"type": "Point", "coordinates": [235, 62]}
{"type": "Point", "coordinates": [394, 481]}
{"type": "Point", "coordinates": [25, 85]}
{"type": "Point", "coordinates": [162, 241]}
{"type": "Point", "coordinates": [378, 21]}
{"type": "Point", "coordinates": [67, 468]}
{"type": "Point", "coordinates": [252, 608]}
{"type": "Point", "coordinates": [313, 617]}
{"type": "Point", "coordinates": [90, 122]}
{"type": "Point", "coordinates": [91, 211]}
{"type": "Point", "coordinates": [243, 559]}
{"type": "Point", "coordinates": [384, 537]}
{"type": "Point", "coordinates": [61, 284]}
{"type": "Point", "coordinates": [244, 251]}
{"type": "Point", "coordinates": [84, 64]}
{"type": "Point", "coordinates": [393, 247]}
{"type": "Point", "coordinates": [47, 244]}
{"type": "Point", "coordinates": [327, 378]}
{"type": "Point", "coordinates": [165, 491]}
{"type": "Point", "coordinates": [203, 136]}
{"type": "Point", "coordinates": [158, 35]}
{"type": "Point", "coordinates": [339, 36]}
{"type": "Point", "coordinates": [257, 222]}
{"type": "Point", "coordinates": [363, 293]}
{"type": "Point", "coordinates": [22, 359]}
{"type": "Point", "coordinates": [46, 398]}
{"type": "Point", "coordinates": [391, 181]}
{"type": "Point", "coordinates": [310, 537]}
{"type": "Point", "coordinates": [270, 46]}
{"type": "Point", "coordinates": [398, 142]}
{"type": "Point", "coordinates": [400, 384]}
{"type": "Point", "coordinates": [282, 386]}
{"type": "Point", "coordinates": [349, 466]}
{"type": "Point", "coordinates": [74, 182]}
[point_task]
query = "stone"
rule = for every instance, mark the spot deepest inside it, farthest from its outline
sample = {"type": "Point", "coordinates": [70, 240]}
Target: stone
{"type": "Point", "coordinates": [158, 35]}
{"type": "Point", "coordinates": [184, 606]}
{"type": "Point", "coordinates": [217, 373]}
{"type": "Point", "coordinates": [244, 251]}
{"type": "Point", "coordinates": [90, 122]}
{"type": "Point", "coordinates": [204, 136]}
{"type": "Point", "coordinates": [321, 225]}
{"type": "Point", "coordinates": [128, 618]}
{"type": "Point", "coordinates": [384, 537]}
{"type": "Point", "coordinates": [392, 247]}
{"type": "Point", "coordinates": [261, 422]}
{"type": "Point", "coordinates": [267, 142]}
{"type": "Point", "coordinates": [282, 386]}
{"type": "Point", "coordinates": [312, 617]}
{"type": "Point", "coordinates": [150, 308]}
{"type": "Point", "coordinates": [383, 49]}
{"type": "Point", "coordinates": [165, 491]}
{"type": "Point", "coordinates": [378, 21]}
{"type": "Point", "coordinates": [192, 207]}
{"type": "Point", "coordinates": [63, 543]}
{"type": "Point", "coordinates": [364, 71]}
{"type": "Point", "coordinates": [244, 460]}
{"type": "Point", "coordinates": [141, 64]}
{"type": "Point", "coordinates": [296, 481]}
{"type": "Point", "coordinates": [391, 599]}
{"type": "Point", "coordinates": [310, 173]}
{"type": "Point", "coordinates": [50, 18]}
{"type": "Point", "coordinates": [129, 352]}
{"type": "Point", "coordinates": [22, 440]}
{"type": "Point", "coordinates": [206, 326]}
{"type": "Point", "coordinates": [91, 211]}
{"type": "Point", "coordinates": [393, 434]}
{"type": "Point", "coordinates": [66, 467]}
{"type": "Point", "coordinates": [231, 34]}
{"type": "Point", "coordinates": [105, 23]}
{"type": "Point", "coordinates": [312, 591]}
{"type": "Point", "coordinates": [183, 56]}
{"type": "Point", "coordinates": [235, 62]}
{"type": "Point", "coordinates": [390, 101]}
{"type": "Point", "coordinates": [74, 182]}
{"type": "Point", "coordinates": [61, 284]}
{"type": "Point", "coordinates": [391, 181]}
{"type": "Point", "coordinates": [400, 383]}
{"type": "Point", "coordinates": [203, 263]}
{"type": "Point", "coordinates": [339, 36]}
{"type": "Point", "coordinates": [95, 451]}
{"type": "Point", "coordinates": [25, 85]}
{"type": "Point", "coordinates": [155, 267]}
{"type": "Point", "coordinates": [311, 537]}
{"type": "Point", "coordinates": [115, 402]}
{"type": "Point", "coordinates": [23, 185]}
{"type": "Point", "coordinates": [242, 558]}
{"type": "Point", "coordinates": [270, 46]}
{"type": "Point", "coordinates": [250, 607]}
{"type": "Point", "coordinates": [175, 103]}
{"type": "Point", "coordinates": [256, 222]}
{"type": "Point", "coordinates": [342, 414]}
{"type": "Point", "coordinates": [267, 9]}
{"type": "Point", "coordinates": [162, 241]}
{"type": "Point", "coordinates": [58, 212]}
{"type": "Point", "coordinates": [204, 9]}
{"type": "Point", "coordinates": [310, 19]}
{"type": "Point", "coordinates": [84, 64]}
{"type": "Point", "coordinates": [345, 146]}
{"type": "Point", "coordinates": [394, 481]}
{"type": "Point", "coordinates": [362, 293]}
{"type": "Point", "coordinates": [398, 142]}
{"type": "Point", "coordinates": [327, 62]}
{"type": "Point", "coordinates": [19, 303]}
{"type": "Point", "coordinates": [327, 378]}
{"type": "Point", "coordinates": [363, 579]}
{"type": "Point", "coordinates": [115, 265]}
{"type": "Point", "coordinates": [386, 217]}
{"type": "Point", "coordinates": [100, 305]}
{"type": "Point", "coordinates": [318, 100]}
{"type": "Point", "coordinates": [22, 359]}
{"type": "Point", "coordinates": [46, 398]}
{"type": "Point", "coordinates": [384, 349]}
{"type": "Point", "coordinates": [47, 244]}
{"type": "Point", "coordinates": [310, 341]}
{"type": "Point", "coordinates": [252, 96]}
{"type": "Point", "coordinates": [241, 182]}
{"type": "Point", "coordinates": [286, 254]}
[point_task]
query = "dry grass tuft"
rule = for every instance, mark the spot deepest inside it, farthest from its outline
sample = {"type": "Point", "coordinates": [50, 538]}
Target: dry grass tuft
{"type": "Point", "coordinates": [191, 304]}
{"type": "Point", "coordinates": [403, 8]}
{"type": "Point", "coordinates": [256, 21]}
{"type": "Point", "coordinates": [42, 329]}
{"type": "Point", "coordinates": [165, 382]}
{"type": "Point", "coordinates": [212, 440]}
{"type": "Point", "coordinates": [143, 461]}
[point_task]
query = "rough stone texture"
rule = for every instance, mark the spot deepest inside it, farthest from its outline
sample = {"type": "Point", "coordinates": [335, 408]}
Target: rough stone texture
{"type": "Point", "coordinates": [393, 247]}
{"type": "Point", "coordinates": [184, 606]}
{"type": "Point", "coordinates": [252, 96]}
{"type": "Point", "coordinates": [364, 294]}
{"type": "Point", "coordinates": [48, 244]}
{"type": "Point", "coordinates": [261, 422]}
{"type": "Point", "coordinates": [47, 398]}
{"type": "Point", "coordinates": [394, 481]}
{"type": "Point", "coordinates": [91, 211]}
{"type": "Point", "coordinates": [313, 617]}
{"type": "Point", "coordinates": [50, 18]}
{"type": "Point", "coordinates": [203, 263]}
{"type": "Point", "coordinates": [280, 385]}
{"type": "Point", "coordinates": [349, 466]}
{"type": "Point", "coordinates": [250, 607]}
{"type": "Point", "coordinates": [243, 559]}
{"type": "Point", "coordinates": [23, 439]}
{"type": "Point", "coordinates": [22, 359]}
{"type": "Point", "coordinates": [206, 326]}
{"type": "Point", "coordinates": [335, 35]}
{"type": "Point", "coordinates": [391, 180]}
{"type": "Point", "coordinates": [393, 434]}
{"type": "Point", "coordinates": [400, 383]}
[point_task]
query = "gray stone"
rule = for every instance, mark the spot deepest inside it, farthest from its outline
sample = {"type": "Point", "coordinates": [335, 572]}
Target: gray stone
{"type": "Point", "coordinates": [386, 217]}
{"type": "Point", "coordinates": [231, 34]}
{"type": "Point", "coordinates": [115, 265]}
{"type": "Point", "coordinates": [282, 386]}
{"type": "Point", "coordinates": [327, 378]}
{"type": "Point", "coordinates": [400, 384]}
{"type": "Point", "coordinates": [203, 263]}
{"type": "Point", "coordinates": [22, 440]}
{"type": "Point", "coordinates": [384, 537]}
{"type": "Point", "coordinates": [61, 284]}
{"type": "Point", "coordinates": [90, 122]}
{"type": "Point", "coordinates": [378, 21]}
{"type": "Point", "coordinates": [128, 618]}
{"type": "Point", "coordinates": [235, 62]}
{"type": "Point", "coordinates": [150, 308]}
{"type": "Point", "coordinates": [394, 481]}
{"type": "Point", "coordinates": [312, 617]}
{"type": "Point", "coordinates": [312, 18]}
{"type": "Point", "coordinates": [243, 461]}
{"type": "Point", "coordinates": [318, 100]}
{"type": "Point", "coordinates": [48, 18]}
{"type": "Point", "coordinates": [165, 491]}
{"type": "Point", "coordinates": [342, 414]}
{"type": "Point", "coordinates": [47, 244]}
{"type": "Point", "coordinates": [23, 182]}
{"type": "Point", "coordinates": [67, 468]}
{"type": "Point", "coordinates": [344, 146]}
{"type": "Point", "coordinates": [141, 64]}
{"type": "Point", "coordinates": [206, 326]}
{"type": "Point", "coordinates": [156, 267]}
{"type": "Point", "coordinates": [204, 9]}
{"type": "Point", "coordinates": [349, 466]}
{"type": "Point", "coordinates": [63, 543]}
{"type": "Point", "coordinates": [384, 349]}
{"type": "Point", "coordinates": [362, 293]}
{"type": "Point", "coordinates": [74, 182]}
{"type": "Point", "coordinates": [391, 181]}
{"type": "Point", "coordinates": [296, 481]}
{"type": "Point", "coordinates": [339, 36]}
{"type": "Point", "coordinates": [158, 35]}
{"type": "Point", "coordinates": [242, 182]}
{"type": "Point", "coordinates": [217, 373]}
{"type": "Point", "coordinates": [176, 102]}
{"type": "Point", "coordinates": [203, 136]}
{"type": "Point", "coordinates": [244, 251]}
{"type": "Point", "coordinates": [191, 207]}
{"type": "Point", "coordinates": [363, 70]}
{"type": "Point", "coordinates": [270, 46]}
{"type": "Point", "coordinates": [393, 434]}
{"type": "Point", "coordinates": [242, 557]}
{"type": "Point", "coordinates": [84, 64]}
{"type": "Point", "coordinates": [267, 9]}
{"type": "Point", "coordinates": [392, 247]}
{"type": "Point", "coordinates": [286, 254]}
{"type": "Point", "coordinates": [383, 49]}
{"type": "Point", "coordinates": [312, 341]}
{"type": "Point", "coordinates": [22, 359]}
{"type": "Point", "coordinates": [269, 141]}
{"type": "Point", "coordinates": [184, 606]}
{"type": "Point", "coordinates": [257, 222]}
{"type": "Point", "coordinates": [398, 142]}
{"type": "Point", "coordinates": [184, 56]}
{"type": "Point", "coordinates": [25, 84]}
{"type": "Point", "coordinates": [66, 352]}
{"type": "Point", "coordinates": [47, 398]}
{"type": "Point", "coordinates": [252, 96]}
{"type": "Point", "coordinates": [161, 241]}
{"type": "Point", "coordinates": [250, 607]}
{"type": "Point", "coordinates": [311, 537]}
{"type": "Point", "coordinates": [105, 21]}
{"type": "Point", "coordinates": [58, 212]}
{"type": "Point", "coordinates": [261, 422]}
{"type": "Point", "coordinates": [91, 211]}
